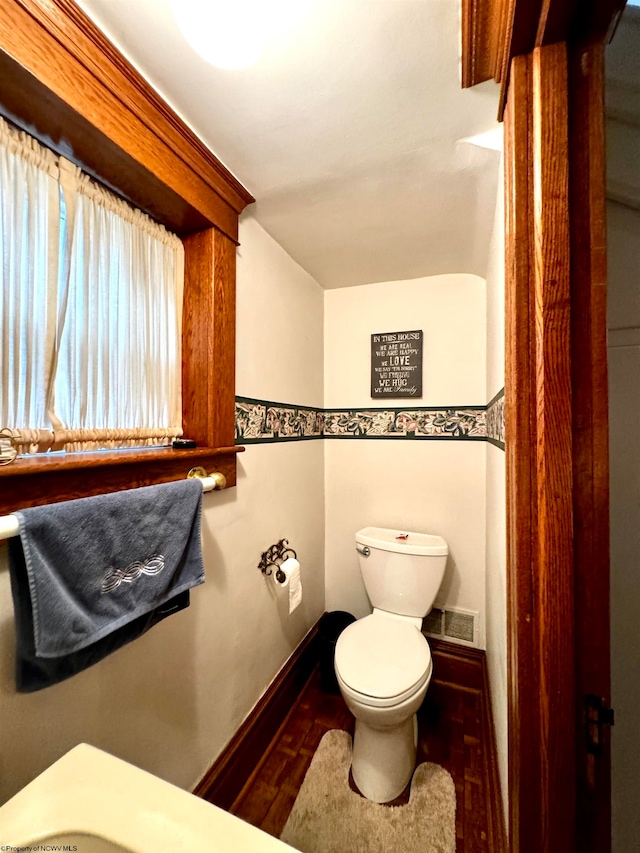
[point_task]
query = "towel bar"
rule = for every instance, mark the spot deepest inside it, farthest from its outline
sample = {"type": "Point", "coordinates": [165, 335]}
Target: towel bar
{"type": "Point", "coordinates": [210, 482]}
{"type": "Point", "coordinates": [9, 526]}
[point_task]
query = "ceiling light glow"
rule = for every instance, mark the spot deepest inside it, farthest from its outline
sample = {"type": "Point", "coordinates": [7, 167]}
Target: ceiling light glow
{"type": "Point", "coordinates": [234, 33]}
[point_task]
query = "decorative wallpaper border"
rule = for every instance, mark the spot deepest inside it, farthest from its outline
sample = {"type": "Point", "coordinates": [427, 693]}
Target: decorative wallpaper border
{"type": "Point", "coordinates": [424, 422]}
{"type": "Point", "coordinates": [495, 420]}
{"type": "Point", "coordinates": [259, 421]}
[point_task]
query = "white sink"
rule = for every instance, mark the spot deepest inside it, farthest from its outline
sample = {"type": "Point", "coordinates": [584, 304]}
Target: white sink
{"type": "Point", "coordinates": [80, 841]}
{"type": "Point", "coordinates": [100, 804]}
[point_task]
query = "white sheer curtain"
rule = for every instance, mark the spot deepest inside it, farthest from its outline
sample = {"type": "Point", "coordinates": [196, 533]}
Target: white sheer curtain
{"type": "Point", "coordinates": [91, 309]}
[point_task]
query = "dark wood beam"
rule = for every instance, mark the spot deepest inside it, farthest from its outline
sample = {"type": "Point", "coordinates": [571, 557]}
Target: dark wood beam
{"type": "Point", "coordinates": [495, 31]}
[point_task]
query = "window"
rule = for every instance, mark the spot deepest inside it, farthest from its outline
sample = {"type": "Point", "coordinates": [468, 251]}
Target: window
{"type": "Point", "coordinates": [91, 312]}
{"type": "Point", "coordinates": [66, 84]}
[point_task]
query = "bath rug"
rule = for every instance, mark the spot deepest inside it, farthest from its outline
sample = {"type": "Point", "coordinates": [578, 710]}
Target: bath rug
{"type": "Point", "coordinates": [328, 817]}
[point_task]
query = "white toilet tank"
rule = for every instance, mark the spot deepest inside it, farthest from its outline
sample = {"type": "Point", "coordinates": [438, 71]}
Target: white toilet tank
{"type": "Point", "coordinates": [403, 571]}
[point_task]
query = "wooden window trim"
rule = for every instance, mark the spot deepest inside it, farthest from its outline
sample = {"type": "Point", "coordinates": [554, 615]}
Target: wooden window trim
{"type": "Point", "coordinates": [67, 85]}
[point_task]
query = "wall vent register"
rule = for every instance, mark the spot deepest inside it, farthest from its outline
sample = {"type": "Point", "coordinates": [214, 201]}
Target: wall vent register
{"type": "Point", "coordinates": [453, 624]}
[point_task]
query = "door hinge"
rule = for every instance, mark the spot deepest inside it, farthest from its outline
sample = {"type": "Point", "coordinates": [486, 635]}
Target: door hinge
{"type": "Point", "coordinates": [596, 715]}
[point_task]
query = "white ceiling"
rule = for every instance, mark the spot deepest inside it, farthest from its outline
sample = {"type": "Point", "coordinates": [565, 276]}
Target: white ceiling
{"type": "Point", "coordinates": [350, 134]}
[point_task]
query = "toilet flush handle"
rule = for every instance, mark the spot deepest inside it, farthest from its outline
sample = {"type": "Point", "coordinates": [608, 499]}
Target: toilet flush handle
{"type": "Point", "coordinates": [362, 549]}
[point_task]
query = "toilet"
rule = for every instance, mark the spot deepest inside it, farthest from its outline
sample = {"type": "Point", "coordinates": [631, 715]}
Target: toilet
{"type": "Point", "coordinates": [383, 661]}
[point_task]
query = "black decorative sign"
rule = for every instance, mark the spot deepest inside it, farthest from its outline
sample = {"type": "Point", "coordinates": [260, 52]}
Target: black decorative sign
{"type": "Point", "coordinates": [396, 364]}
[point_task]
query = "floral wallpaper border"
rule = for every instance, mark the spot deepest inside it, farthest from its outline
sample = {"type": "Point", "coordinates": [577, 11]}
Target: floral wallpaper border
{"type": "Point", "coordinates": [408, 422]}
{"type": "Point", "coordinates": [260, 421]}
{"type": "Point", "coordinates": [495, 420]}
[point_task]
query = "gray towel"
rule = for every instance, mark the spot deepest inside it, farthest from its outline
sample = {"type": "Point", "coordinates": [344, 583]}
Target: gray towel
{"type": "Point", "coordinates": [94, 573]}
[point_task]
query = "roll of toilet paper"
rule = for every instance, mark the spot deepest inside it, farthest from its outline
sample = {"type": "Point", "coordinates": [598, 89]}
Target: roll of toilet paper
{"type": "Point", "coordinates": [291, 570]}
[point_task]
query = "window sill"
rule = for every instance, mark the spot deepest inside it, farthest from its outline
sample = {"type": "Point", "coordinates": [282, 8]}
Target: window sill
{"type": "Point", "coordinates": [50, 479]}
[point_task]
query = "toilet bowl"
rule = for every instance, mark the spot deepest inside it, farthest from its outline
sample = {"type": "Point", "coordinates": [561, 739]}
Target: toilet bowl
{"type": "Point", "coordinates": [383, 667]}
{"type": "Point", "coordinates": [383, 662]}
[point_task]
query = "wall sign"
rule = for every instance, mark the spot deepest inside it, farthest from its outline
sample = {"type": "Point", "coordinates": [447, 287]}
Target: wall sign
{"type": "Point", "coordinates": [396, 364]}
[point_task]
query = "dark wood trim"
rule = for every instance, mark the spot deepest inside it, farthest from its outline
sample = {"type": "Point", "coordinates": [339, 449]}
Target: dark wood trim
{"type": "Point", "coordinates": [141, 95]}
{"type": "Point", "coordinates": [198, 385]}
{"type": "Point", "coordinates": [520, 430]}
{"type": "Point", "coordinates": [555, 406]}
{"type": "Point", "coordinates": [26, 482]}
{"type": "Point", "coordinates": [32, 107]}
{"type": "Point", "coordinates": [234, 768]}
{"type": "Point", "coordinates": [483, 22]}
{"type": "Point", "coordinates": [67, 53]}
{"type": "Point", "coordinates": [223, 374]}
{"type": "Point", "coordinates": [539, 447]}
{"type": "Point", "coordinates": [456, 664]}
{"type": "Point", "coordinates": [496, 31]}
{"type": "Point", "coordinates": [65, 83]}
{"type": "Point", "coordinates": [554, 22]}
{"type": "Point", "coordinates": [590, 433]}
{"type": "Point", "coordinates": [208, 338]}
{"type": "Point", "coordinates": [555, 580]}
{"type": "Point", "coordinates": [497, 840]}
{"type": "Point", "coordinates": [128, 153]}
{"type": "Point", "coordinates": [557, 455]}
{"type": "Point", "coordinates": [32, 481]}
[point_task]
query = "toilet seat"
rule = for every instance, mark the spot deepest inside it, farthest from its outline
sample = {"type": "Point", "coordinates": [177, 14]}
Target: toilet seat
{"type": "Point", "coordinates": [388, 702]}
{"type": "Point", "coordinates": [381, 660]}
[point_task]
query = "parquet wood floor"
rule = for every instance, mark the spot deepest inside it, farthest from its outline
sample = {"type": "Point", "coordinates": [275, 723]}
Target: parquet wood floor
{"type": "Point", "coordinates": [449, 734]}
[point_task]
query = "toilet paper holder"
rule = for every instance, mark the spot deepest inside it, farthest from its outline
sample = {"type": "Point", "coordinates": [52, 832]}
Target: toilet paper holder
{"type": "Point", "coordinates": [273, 557]}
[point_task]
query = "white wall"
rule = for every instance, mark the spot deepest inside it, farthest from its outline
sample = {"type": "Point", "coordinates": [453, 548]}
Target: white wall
{"type": "Point", "coordinates": [433, 486]}
{"type": "Point", "coordinates": [279, 323]}
{"type": "Point", "coordinates": [624, 432]}
{"type": "Point", "coordinates": [495, 297]}
{"type": "Point", "coordinates": [170, 701]}
{"type": "Point", "coordinates": [496, 577]}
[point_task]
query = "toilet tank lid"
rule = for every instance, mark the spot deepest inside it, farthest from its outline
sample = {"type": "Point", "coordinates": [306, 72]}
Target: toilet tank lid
{"type": "Point", "coordinates": [402, 541]}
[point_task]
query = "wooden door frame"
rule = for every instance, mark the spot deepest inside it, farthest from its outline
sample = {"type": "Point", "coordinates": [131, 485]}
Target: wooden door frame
{"type": "Point", "coordinates": [548, 57]}
{"type": "Point", "coordinates": [539, 451]}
